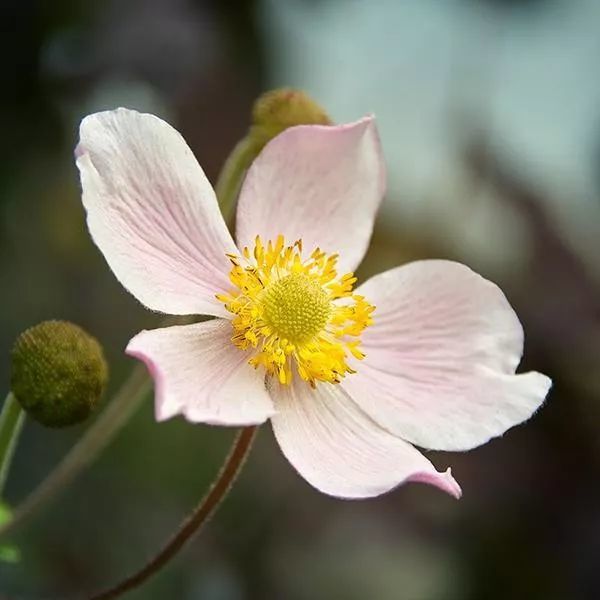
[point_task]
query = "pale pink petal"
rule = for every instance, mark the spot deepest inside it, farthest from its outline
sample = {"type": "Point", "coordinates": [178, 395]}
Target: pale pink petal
{"type": "Point", "coordinates": [199, 373]}
{"type": "Point", "coordinates": [339, 450]}
{"type": "Point", "coordinates": [152, 212]}
{"type": "Point", "coordinates": [441, 357]}
{"type": "Point", "coordinates": [316, 183]}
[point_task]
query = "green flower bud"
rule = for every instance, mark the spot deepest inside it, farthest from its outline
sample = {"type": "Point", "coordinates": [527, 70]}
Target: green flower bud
{"type": "Point", "coordinates": [272, 113]}
{"type": "Point", "coordinates": [58, 373]}
{"type": "Point", "coordinates": [275, 111]}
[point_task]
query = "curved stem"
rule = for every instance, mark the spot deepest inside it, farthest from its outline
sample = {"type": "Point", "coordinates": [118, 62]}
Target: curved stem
{"type": "Point", "coordinates": [93, 441]}
{"type": "Point", "coordinates": [11, 423]}
{"type": "Point", "coordinates": [201, 515]}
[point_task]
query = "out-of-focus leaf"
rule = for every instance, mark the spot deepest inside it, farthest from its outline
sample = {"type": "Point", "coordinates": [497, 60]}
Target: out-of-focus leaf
{"type": "Point", "coordinates": [10, 554]}
{"type": "Point", "coordinates": [5, 513]}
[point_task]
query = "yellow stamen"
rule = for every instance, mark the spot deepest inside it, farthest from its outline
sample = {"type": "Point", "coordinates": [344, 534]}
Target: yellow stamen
{"type": "Point", "coordinates": [293, 311]}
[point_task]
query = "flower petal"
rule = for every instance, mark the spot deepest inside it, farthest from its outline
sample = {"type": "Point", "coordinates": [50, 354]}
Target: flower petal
{"type": "Point", "coordinates": [317, 183]}
{"type": "Point", "coordinates": [441, 356]}
{"type": "Point", "coordinates": [153, 213]}
{"type": "Point", "coordinates": [339, 450]}
{"type": "Point", "coordinates": [199, 373]}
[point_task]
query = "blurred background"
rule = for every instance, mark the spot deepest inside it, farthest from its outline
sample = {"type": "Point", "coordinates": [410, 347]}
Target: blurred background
{"type": "Point", "coordinates": [489, 113]}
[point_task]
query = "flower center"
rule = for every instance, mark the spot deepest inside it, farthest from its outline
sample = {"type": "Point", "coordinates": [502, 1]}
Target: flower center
{"type": "Point", "coordinates": [296, 307]}
{"type": "Point", "coordinates": [294, 314]}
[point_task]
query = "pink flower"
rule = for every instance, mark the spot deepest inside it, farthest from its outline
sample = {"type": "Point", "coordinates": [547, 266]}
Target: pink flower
{"type": "Point", "coordinates": [349, 388]}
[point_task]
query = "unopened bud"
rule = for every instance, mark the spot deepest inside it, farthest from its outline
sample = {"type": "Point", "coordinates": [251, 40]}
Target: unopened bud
{"type": "Point", "coordinates": [272, 113]}
{"type": "Point", "coordinates": [275, 111]}
{"type": "Point", "coordinates": [58, 373]}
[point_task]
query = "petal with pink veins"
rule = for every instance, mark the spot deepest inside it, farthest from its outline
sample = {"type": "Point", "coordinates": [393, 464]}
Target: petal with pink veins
{"type": "Point", "coordinates": [198, 372]}
{"type": "Point", "coordinates": [321, 184]}
{"type": "Point", "coordinates": [153, 213]}
{"type": "Point", "coordinates": [340, 450]}
{"type": "Point", "coordinates": [441, 358]}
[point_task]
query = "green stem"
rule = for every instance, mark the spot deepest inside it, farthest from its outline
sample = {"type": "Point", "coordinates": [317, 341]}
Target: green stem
{"type": "Point", "coordinates": [232, 175]}
{"type": "Point", "coordinates": [200, 516]}
{"type": "Point", "coordinates": [11, 423]}
{"type": "Point", "coordinates": [93, 441]}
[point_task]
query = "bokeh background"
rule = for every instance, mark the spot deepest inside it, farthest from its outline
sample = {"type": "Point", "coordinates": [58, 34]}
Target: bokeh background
{"type": "Point", "coordinates": [489, 113]}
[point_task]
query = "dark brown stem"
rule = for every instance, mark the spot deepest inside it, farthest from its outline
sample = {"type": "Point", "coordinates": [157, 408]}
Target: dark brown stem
{"type": "Point", "coordinates": [201, 515]}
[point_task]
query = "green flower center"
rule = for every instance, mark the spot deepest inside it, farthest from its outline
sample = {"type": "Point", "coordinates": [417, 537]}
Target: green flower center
{"type": "Point", "coordinates": [296, 307]}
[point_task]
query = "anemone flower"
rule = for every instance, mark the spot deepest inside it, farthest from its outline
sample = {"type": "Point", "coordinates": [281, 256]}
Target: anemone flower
{"type": "Point", "coordinates": [421, 355]}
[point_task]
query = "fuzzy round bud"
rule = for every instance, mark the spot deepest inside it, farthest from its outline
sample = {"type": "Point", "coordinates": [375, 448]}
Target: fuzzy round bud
{"type": "Point", "coordinates": [275, 111]}
{"type": "Point", "coordinates": [58, 373]}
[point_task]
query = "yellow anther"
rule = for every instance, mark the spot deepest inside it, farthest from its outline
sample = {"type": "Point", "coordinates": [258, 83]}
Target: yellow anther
{"type": "Point", "coordinates": [287, 312]}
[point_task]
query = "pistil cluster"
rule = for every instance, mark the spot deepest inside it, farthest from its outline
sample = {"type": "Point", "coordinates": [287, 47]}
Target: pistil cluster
{"type": "Point", "coordinates": [295, 314]}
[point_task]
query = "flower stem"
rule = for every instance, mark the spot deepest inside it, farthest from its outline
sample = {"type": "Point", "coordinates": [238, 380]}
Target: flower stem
{"type": "Point", "coordinates": [93, 441]}
{"type": "Point", "coordinates": [12, 418]}
{"type": "Point", "coordinates": [232, 175]}
{"type": "Point", "coordinates": [200, 516]}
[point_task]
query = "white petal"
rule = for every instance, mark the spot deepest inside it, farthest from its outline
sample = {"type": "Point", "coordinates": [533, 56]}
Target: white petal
{"type": "Point", "coordinates": [339, 450]}
{"type": "Point", "coordinates": [441, 356]}
{"type": "Point", "coordinates": [199, 373]}
{"type": "Point", "coordinates": [152, 212]}
{"type": "Point", "coordinates": [319, 184]}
